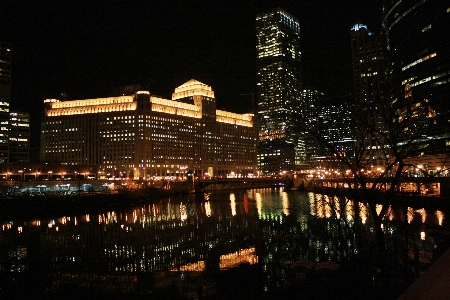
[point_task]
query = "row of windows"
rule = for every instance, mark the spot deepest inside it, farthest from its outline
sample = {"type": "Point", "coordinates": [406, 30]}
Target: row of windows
{"type": "Point", "coordinates": [419, 61]}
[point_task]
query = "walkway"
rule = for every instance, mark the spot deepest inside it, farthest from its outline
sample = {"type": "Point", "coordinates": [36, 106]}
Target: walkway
{"type": "Point", "coordinates": [434, 282]}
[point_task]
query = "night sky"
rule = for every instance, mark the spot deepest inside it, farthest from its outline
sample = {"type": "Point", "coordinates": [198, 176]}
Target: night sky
{"type": "Point", "coordinates": [90, 49]}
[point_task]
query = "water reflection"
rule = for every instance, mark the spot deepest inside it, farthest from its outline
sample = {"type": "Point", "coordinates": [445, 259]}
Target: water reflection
{"type": "Point", "coordinates": [228, 243]}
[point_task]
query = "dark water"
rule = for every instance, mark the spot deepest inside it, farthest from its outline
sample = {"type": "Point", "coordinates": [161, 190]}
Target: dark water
{"type": "Point", "coordinates": [222, 245]}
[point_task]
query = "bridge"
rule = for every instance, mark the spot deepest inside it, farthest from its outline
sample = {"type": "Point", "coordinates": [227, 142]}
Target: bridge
{"type": "Point", "coordinates": [237, 183]}
{"type": "Point", "coordinates": [64, 187]}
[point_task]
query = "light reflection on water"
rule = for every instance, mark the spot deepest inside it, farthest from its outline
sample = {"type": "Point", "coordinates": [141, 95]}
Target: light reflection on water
{"type": "Point", "coordinates": [184, 241]}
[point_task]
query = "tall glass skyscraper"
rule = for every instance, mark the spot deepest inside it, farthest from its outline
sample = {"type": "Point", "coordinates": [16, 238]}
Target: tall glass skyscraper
{"type": "Point", "coordinates": [418, 45]}
{"type": "Point", "coordinates": [278, 66]}
{"type": "Point", "coordinates": [5, 97]}
{"type": "Point", "coordinates": [368, 62]}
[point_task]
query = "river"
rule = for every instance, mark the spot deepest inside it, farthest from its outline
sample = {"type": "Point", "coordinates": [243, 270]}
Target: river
{"type": "Point", "coordinates": [240, 244]}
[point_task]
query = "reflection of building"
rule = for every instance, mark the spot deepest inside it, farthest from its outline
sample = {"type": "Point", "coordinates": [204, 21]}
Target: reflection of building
{"type": "Point", "coordinates": [419, 62]}
{"type": "Point", "coordinates": [141, 136]}
{"type": "Point", "coordinates": [172, 243]}
{"type": "Point", "coordinates": [278, 65]}
{"type": "Point", "coordinates": [153, 238]}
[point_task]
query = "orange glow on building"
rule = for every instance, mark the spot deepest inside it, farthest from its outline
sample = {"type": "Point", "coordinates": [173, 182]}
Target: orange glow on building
{"type": "Point", "coordinates": [145, 136]}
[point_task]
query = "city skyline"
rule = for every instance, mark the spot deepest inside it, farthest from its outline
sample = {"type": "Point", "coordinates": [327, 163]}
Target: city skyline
{"type": "Point", "coordinates": [89, 51]}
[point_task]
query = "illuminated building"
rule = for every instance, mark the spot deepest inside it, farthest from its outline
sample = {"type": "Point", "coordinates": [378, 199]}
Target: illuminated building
{"type": "Point", "coordinates": [417, 35]}
{"type": "Point", "coordinates": [274, 157]}
{"type": "Point", "coordinates": [5, 97]}
{"type": "Point", "coordinates": [336, 126]}
{"type": "Point", "coordinates": [14, 126]}
{"type": "Point", "coordinates": [368, 64]}
{"type": "Point", "coordinates": [278, 64]}
{"type": "Point", "coordinates": [19, 137]}
{"type": "Point", "coordinates": [144, 136]}
{"type": "Point", "coordinates": [310, 111]}
{"type": "Point", "coordinates": [328, 119]}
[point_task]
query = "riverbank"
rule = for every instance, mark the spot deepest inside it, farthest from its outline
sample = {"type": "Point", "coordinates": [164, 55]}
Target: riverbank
{"type": "Point", "coordinates": [25, 208]}
{"type": "Point", "coordinates": [50, 206]}
{"type": "Point", "coordinates": [401, 199]}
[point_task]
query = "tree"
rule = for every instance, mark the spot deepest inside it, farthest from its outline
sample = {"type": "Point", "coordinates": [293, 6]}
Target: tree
{"type": "Point", "coordinates": [391, 137]}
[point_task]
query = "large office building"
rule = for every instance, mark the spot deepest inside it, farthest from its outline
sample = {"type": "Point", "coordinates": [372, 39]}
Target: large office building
{"type": "Point", "coordinates": [418, 72]}
{"type": "Point", "coordinates": [336, 126]}
{"type": "Point", "coordinates": [310, 110]}
{"type": "Point", "coordinates": [19, 137]}
{"type": "Point", "coordinates": [14, 126]}
{"type": "Point", "coordinates": [142, 136]}
{"type": "Point", "coordinates": [278, 64]}
{"type": "Point", "coordinates": [5, 98]}
{"type": "Point", "coordinates": [368, 63]}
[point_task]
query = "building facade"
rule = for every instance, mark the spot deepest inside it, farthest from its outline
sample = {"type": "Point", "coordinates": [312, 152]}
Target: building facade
{"type": "Point", "coordinates": [369, 65]}
{"type": "Point", "coordinates": [310, 110]}
{"type": "Point", "coordinates": [278, 66]}
{"type": "Point", "coordinates": [418, 72]}
{"type": "Point", "coordinates": [5, 98]}
{"type": "Point", "coordinates": [336, 115]}
{"type": "Point", "coordinates": [14, 126]}
{"type": "Point", "coordinates": [19, 137]}
{"type": "Point", "coordinates": [143, 136]}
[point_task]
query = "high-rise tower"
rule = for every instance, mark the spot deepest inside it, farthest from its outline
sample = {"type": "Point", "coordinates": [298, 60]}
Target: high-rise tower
{"type": "Point", "coordinates": [418, 46]}
{"type": "Point", "coordinates": [368, 62]}
{"type": "Point", "coordinates": [19, 137]}
{"type": "Point", "coordinates": [5, 96]}
{"type": "Point", "coordinates": [278, 64]}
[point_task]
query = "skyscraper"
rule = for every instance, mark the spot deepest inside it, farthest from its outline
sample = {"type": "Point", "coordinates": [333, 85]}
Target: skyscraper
{"type": "Point", "coordinates": [336, 116]}
{"type": "Point", "coordinates": [5, 97]}
{"type": "Point", "coordinates": [418, 46]}
{"type": "Point", "coordinates": [310, 98]}
{"type": "Point", "coordinates": [19, 137]}
{"type": "Point", "coordinates": [368, 62]}
{"type": "Point", "coordinates": [278, 64]}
